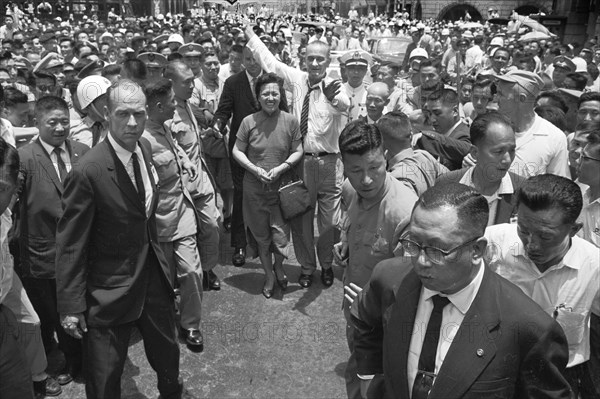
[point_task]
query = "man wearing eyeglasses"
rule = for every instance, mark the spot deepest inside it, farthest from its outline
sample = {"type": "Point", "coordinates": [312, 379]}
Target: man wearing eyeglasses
{"type": "Point", "coordinates": [588, 166]}
{"type": "Point", "coordinates": [437, 323]}
{"type": "Point", "coordinates": [559, 271]}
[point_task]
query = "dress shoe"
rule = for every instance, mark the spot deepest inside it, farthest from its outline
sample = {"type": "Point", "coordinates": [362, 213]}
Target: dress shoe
{"type": "Point", "coordinates": [283, 282]}
{"type": "Point", "coordinates": [327, 277]}
{"type": "Point", "coordinates": [71, 371]}
{"type": "Point", "coordinates": [193, 339]}
{"type": "Point", "coordinates": [305, 280]}
{"type": "Point", "coordinates": [211, 281]}
{"type": "Point", "coordinates": [48, 387]}
{"type": "Point", "coordinates": [239, 257]}
{"type": "Point", "coordinates": [267, 293]}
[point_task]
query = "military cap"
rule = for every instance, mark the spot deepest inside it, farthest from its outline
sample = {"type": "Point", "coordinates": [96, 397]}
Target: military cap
{"type": "Point", "coordinates": [92, 68]}
{"type": "Point", "coordinates": [358, 57]}
{"type": "Point", "coordinates": [47, 37]}
{"type": "Point", "coordinates": [563, 62]}
{"type": "Point", "coordinates": [153, 60]}
{"type": "Point", "coordinates": [161, 38]}
{"type": "Point", "coordinates": [191, 50]}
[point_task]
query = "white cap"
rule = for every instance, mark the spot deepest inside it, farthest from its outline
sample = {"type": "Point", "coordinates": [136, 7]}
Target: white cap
{"type": "Point", "coordinates": [580, 64]}
{"type": "Point", "coordinates": [175, 38]}
{"type": "Point", "coordinates": [420, 25]}
{"type": "Point", "coordinates": [413, 29]}
{"type": "Point", "coordinates": [90, 88]}
{"type": "Point", "coordinates": [418, 52]}
{"type": "Point", "coordinates": [497, 41]}
{"type": "Point", "coordinates": [427, 29]}
{"type": "Point", "coordinates": [445, 32]}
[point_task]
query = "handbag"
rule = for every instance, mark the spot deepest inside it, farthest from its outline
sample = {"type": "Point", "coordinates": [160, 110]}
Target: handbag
{"type": "Point", "coordinates": [294, 199]}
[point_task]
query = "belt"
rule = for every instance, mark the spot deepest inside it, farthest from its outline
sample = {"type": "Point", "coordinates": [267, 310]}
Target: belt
{"type": "Point", "coordinates": [318, 154]}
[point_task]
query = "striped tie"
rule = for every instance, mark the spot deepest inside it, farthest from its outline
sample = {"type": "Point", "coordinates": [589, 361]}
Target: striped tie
{"type": "Point", "coordinates": [304, 114]}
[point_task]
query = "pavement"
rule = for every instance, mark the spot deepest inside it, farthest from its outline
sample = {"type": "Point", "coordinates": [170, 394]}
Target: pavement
{"type": "Point", "coordinates": [290, 346]}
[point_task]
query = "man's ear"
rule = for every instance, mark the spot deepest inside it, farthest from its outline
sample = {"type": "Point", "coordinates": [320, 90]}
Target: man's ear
{"type": "Point", "coordinates": [479, 248]}
{"type": "Point", "coordinates": [474, 151]}
{"type": "Point", "coordinates": [575, 228]}
{"type": "Point", "coordinates": [106, 112]}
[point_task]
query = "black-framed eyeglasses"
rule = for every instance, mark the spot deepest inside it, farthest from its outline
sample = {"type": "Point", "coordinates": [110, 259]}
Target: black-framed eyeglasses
{"type": "Point", "coordinates": [436, 255]}
{"type": "Point", "coordinates": [582, 157]}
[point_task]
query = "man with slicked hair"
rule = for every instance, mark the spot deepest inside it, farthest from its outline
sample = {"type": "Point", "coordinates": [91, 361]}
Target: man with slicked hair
{"type": "Point", "coordinates": [113, 274]}
{"type": "Point", "coordinates": [435, 322]}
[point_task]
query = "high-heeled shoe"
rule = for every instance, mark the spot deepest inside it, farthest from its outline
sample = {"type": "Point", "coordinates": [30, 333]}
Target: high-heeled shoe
{"type": "Point", "coordinates": [267, 292]}
{"type": "Point", "coordinates": [283, 283]}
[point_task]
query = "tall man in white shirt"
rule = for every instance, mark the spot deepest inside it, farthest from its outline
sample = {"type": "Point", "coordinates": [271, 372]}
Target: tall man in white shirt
{"type": "Point", "coordinates": [541, 146]}
{"type": "Point", "coordinates": [559, 271]}
{"type": "Point", "coordinates": [318, 103]}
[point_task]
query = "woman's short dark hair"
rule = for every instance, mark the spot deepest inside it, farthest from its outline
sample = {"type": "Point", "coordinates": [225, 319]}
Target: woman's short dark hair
{"type": "Point", "coordinates": [471, 207]}
{"type": "Point", "coordinates": [547, 191]}
{"type": "Point", "coordinates": [481, 124]}
{"type": "Point", "coordinates": [267, 78]}
{"type": "Point", "coordinates": [134, 69]}
{"type": "Point", "coordinates": [359, 137]}
{"type": "Point", "coordinates": [13, 97]}
{"type": "Point", "coordinates": [579, 79]}
{"type": "Point", "coordinates": [9, 161]}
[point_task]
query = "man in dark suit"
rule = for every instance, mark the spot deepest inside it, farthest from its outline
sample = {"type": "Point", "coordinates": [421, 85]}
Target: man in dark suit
{"type": "Point", "coordinates": [450, 142]}
{"type": "Point", "coordinates": [238, 100]}
{"type": "Point", "coordinates": [494, 145]}
{"type": "Point", "coordinates": [113, 274]}
{"type": "Point", "coordinates": [437, 323]}
{"type": "Point", "coordinates": [44, 165]}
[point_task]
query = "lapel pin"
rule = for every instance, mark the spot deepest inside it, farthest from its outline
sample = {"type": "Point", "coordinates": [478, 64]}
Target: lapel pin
{"type": "Point", "coordinates": [480, 352]}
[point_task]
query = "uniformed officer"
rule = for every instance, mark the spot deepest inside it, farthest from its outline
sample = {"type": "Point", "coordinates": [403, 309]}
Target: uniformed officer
{"type": "Point", "coordinates": [192, 56]}
{"type": "Point", "coordinates": [357, 64]}
{"type": "Point", "coordinates": [155, 63]}
{"type": "Point", "coordinates": [562, 66]}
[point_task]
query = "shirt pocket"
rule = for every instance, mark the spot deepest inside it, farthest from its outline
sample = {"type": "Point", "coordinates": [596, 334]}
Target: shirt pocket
{"type": "Point", "coordinates": [376, 243]}
{"type": "Point", "coordinates": [573, 324]}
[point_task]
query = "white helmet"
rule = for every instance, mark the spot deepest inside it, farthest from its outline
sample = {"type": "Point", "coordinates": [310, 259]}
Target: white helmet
{"type": "Point", "coordinates": [90, 88]}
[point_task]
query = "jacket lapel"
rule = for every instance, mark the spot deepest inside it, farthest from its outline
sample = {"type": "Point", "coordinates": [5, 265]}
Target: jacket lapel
{"type": "Point", "coordinates": [44, 160]}
{"type": "Point", "coordinates": [399, 331]}
{"type": "Point", "coordinates": [505, 209]}
{"type": "Point", "coordinates": [120, 176]}
{"type": "Point", "coordinates": [473, 344]}
{"type": "Point", "coordinates": [150, 168]}
{"type": "Point", "coordinates": [248, 90]}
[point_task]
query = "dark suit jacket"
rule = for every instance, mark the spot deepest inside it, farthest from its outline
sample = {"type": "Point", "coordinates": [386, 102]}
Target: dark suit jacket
{"type": "Point", "coordinates": [236, 102]}
{"type": "Point", "coordinates": [507, 207]}
{"type": "Point", "coordinates": [106, 241]}
{"type": "Point", "coordinates": [506, 346]}
{"type": "Point", "coordinates": [451, 149]}
{"type": "Point", "coordinates": [40, 207]}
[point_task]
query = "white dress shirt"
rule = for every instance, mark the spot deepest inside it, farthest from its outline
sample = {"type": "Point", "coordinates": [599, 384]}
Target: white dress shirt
{"type": "Point", "coordinates": [6, 259]}
{"type": "Point", "coordinates": [590, 217]}
{"type": "Point", "coordinates": [505, 187]}
{"type": "Point", "coordinates": [125, 158]}
{"type": "Point", "coordinates": [325, 119]}
{"type": "Point", "coordinates": [541, 149]}
{"type": "Point", "coordinates": [452, 317]}
{"type": "Point", "coordinates": [568, 291]}
{"type": "Point", "coordinates": [64, 154]}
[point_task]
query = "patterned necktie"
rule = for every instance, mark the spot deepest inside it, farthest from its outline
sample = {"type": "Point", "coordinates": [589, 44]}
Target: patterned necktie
{"type": "Point", "coordinates": [304, 114]}
{"type": "Point", "coordinates": [425, 374]}
{"type": "Point", "coordinates": [62, 168]}
{"type": "Point", "coordinates": [139, 182]}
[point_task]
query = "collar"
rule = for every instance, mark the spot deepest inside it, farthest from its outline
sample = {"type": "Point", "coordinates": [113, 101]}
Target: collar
{"type": "Point", "coordinates": [407, 153]}
{"type": "Point", "coordinates": [505, 187]}
{"type": "Point", "coordinates": [123, 154]}
{"type": "Point", "coordinates": [585, 191]}
{"type": "Point", "coordinates": [49, 148]}
{"type": "Point", "coordinates": [464, 298]}
{"type": "Point", "coordinates": [155, 126]}
{"type": "Point", "coordinates": [453, 127]}
{"type": "Point", "coordinates": [250, 77]}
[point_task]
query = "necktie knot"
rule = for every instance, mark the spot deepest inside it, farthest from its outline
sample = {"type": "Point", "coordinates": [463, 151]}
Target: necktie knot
{"type": "Point", "coordinates": [439, 302]}
{"type": "Point", "coordinates": [60, 164]}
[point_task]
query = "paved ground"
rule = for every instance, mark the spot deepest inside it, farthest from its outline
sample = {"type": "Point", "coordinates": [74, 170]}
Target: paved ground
{"type": "Point", "coordinates": [289, 346]}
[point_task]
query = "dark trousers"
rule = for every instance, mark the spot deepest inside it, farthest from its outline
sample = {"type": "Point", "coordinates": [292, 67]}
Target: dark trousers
{"type": "Point", "coordinates": [15, 377]}
{"type": "Point", "coordinates": [105, 348]}
{"type": "Point", "coordinates": [42, 294]}
{"type": "Point", "coordinates": [581, 381]}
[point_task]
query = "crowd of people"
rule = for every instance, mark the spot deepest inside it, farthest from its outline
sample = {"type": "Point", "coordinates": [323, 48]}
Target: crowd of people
{"type": "Point", "coordinates": [457, 187]}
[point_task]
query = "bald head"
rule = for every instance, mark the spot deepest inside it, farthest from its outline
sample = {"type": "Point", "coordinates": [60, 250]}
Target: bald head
{"type": "Point", "coordinates": [377, 98]}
